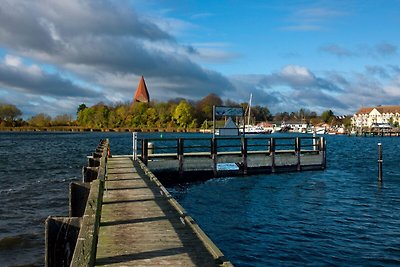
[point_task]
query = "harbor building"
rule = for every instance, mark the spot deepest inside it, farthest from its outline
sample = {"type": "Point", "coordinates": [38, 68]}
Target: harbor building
{"type": "Point", "coordinates": [375, 116]}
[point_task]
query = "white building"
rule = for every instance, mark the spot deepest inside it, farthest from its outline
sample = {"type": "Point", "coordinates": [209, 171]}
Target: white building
{"type": "Point", "coordinates": [372, 116]}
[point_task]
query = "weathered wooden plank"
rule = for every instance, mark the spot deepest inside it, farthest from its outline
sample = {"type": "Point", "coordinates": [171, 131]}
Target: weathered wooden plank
{"type": "Point", "coordinates": [139, 226]}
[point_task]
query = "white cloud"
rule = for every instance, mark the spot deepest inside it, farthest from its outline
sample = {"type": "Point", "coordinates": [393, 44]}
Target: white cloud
{"type": "Point", "coordinates": [12, 61]}
{"type": "Point", "coordinates": [297, 72]}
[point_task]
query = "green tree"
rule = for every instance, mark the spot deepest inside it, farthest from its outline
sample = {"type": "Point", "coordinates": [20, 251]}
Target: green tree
{"type": "Point", "coordinates": [81, 107]}
{"type": "Point", "coordinates": [62, 120]}
{"type": "Point", "coordinates": [204, 107]}
{"type": "Point", "coordinates": [261, 113]}
{"type": "Point", "coordinates": [101, 115]}
{"type": "Point", "coordinates": [151, 117]}
{"type": "Point", "coordinates": [281, 116]}
{"type": "Point", "coordinates": [40, 120]}
{"type": "Point", "coordinates": [9, 113]}
{"type": "Point", "coordinates": [137, 116]}
{"type": "Point", "coordinates": [327, 116]}
{"type": "Point", "coordinates": [183, 114]}
{"type": "Point", "coordinates": [164, 111]}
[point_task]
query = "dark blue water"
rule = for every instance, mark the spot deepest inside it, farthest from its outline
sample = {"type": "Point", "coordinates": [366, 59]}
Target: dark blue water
{"type": "Point", "coordinates": [340, 216]}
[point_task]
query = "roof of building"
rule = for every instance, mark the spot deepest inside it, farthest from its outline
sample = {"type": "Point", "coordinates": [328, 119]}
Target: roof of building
{"type": "Point", "coordinates": [381, 109]}
{"type": "Point", "coordinates": [141, 95]}
{"type": "Point", "coordinates": [388, 109]}
{"type": "Point", "coordinates": [364, 110]}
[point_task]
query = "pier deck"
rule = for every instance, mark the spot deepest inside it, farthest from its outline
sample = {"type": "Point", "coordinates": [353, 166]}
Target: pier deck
{"type": "Point", "coordinates": [140, 226]}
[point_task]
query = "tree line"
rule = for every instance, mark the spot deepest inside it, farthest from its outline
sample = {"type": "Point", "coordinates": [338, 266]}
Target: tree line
{"type": "Point", "coordinates": [175, 113]}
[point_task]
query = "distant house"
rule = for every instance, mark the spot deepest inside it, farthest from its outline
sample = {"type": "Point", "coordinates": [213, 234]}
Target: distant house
{"type": "Point", "coordinates": [372, 116]}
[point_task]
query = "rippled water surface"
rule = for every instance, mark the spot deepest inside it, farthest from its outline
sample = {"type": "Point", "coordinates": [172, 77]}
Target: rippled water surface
{"type": "Point", "coordinates": [340, 216]}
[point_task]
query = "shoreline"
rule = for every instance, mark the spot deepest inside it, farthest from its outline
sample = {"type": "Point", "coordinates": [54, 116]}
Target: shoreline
{"type": "Point", "coordinates": [86, 129]}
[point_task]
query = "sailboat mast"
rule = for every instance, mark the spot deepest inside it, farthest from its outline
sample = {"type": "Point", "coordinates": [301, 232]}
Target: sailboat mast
{"type": "Point", "coordinates": [248, 119]}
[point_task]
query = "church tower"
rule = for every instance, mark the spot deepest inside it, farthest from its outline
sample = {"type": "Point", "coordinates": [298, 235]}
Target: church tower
{"type": "Point", "coordinates": [141, 95]}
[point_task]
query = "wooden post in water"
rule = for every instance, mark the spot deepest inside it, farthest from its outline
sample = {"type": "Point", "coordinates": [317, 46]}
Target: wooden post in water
{"type": "Point", "coordinates": [322, 151]}
{"type": "Point", "coordinates": [214, 155]}
{"type": "Point", "coordinates": [298, 152]}
{"type": "Point", "coordinates": [244, 154]}
{"type": "Point", "coordinates": [145, 152]}
{"type": "Point", "coordinates": [380, 162]}
{"type": "Point", "coordinates": [272, 153]}
{"type": "Point", "coordinates": [180, 156]}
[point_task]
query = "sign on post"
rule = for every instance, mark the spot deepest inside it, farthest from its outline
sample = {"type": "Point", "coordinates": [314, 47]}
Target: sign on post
{"type": "Point", "coordinates": [230, 127]}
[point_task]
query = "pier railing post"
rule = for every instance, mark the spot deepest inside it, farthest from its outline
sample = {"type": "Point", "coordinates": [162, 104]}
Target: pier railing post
{"type": "Point", "coordinates": [180, 155]}
{"type": "Point", "coordinates": [298, 152]}
{"type": "Point", "coordinates": [244, 154]}
{"type": "Point", "coordinates": [214, 152]}
{"type": "Point", "coordinates": [380, 162]}
{"type": "Point", "coordinates": [145, 151]}
{"type": "Point", "coordinates": [314, 141]}
{"type": "Point", "coordinates": [272, 153]}
{"type": "Point", "coordinates": [134, 145]}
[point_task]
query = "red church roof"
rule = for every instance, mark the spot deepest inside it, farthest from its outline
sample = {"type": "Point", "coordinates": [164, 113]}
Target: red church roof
{"type": "Point", "coordinates": [141, 95]}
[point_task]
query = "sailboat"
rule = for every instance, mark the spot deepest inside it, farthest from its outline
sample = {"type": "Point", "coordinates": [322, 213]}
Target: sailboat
{"type": "Point", "coordinates": [250, 128]}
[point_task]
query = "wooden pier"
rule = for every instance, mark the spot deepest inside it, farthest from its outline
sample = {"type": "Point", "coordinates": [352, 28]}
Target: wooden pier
{"type": "Point", "coordinates": [377, 133]}
{"type": "Point", "coordinates": [141, 224]}
{"type": "Point", "coordinates": [185, 159]}
{"type": "Point", "coordinates": [121, 215]}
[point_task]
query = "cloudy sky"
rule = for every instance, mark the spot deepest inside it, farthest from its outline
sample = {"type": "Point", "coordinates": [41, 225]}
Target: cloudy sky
{"type": "Point", "coordinates": [338, 54]}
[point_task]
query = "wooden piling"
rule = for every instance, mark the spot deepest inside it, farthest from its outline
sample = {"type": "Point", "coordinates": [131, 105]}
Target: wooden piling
{"type": "Point", "coordinates": [272, 153]}
{"type": "Point", "coordinates": [380, 163]}
{"type": "Point", "coordinates": [145, 151]}
{"type": "Point", "coordinates": [180, 156]}
{"type": "Point", "coordinates": [322, 151]}
{"type": "Point", "coordinates": [61, 234]}
{"type": "Point", "coordinates": [78, 195]}
{"type": "Point", "coordinates": [214, 155]}
{"type": "Point", "coordinates": [298, 152]}
{"type": "Point", "coordinates": [244, 155]}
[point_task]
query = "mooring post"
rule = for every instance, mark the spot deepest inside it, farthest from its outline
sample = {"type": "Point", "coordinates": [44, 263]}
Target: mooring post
{"type": "Point", "coordinates": [322, 151]}
{"type": "Point", "coordinates": [272, 153]}
{"type": "Point", "coordinates": [134, 145]}
{"type": "Point", "coordinates": [298, 152]}
{"type": "Point", "coordinates": [180, 155]}
{"type": "Point", "coordinates": [244, 154]}
{"type": "Point", "coordinates": [380, 162]}
{"type": "Point", "coordinates": [214, 155]}
{"type": "Point", "coordinates": [145, 151]}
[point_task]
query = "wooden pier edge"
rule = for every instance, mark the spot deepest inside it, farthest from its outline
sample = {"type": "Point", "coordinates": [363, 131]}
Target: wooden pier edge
{"type": "Point", "coordinates": [188, 220]}
{"type": "Point", "coordinates": [78, 245]}
{"type": "Point", "coordinates": [86, 246]}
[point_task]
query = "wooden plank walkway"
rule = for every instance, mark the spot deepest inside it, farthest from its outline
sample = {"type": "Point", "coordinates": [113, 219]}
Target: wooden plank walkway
{"type": "Point", "coordinates": [139, 226]}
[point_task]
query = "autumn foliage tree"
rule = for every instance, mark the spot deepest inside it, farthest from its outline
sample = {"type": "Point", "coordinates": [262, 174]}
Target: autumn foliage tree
{"type": "Point", "coordinates": [184, 114]}
{"type": "Point", "coordinates": [8, 114]}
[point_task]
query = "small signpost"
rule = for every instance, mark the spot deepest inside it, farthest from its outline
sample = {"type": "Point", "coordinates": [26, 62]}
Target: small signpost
{"type": "Point", "coordinates": [219, 111]}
